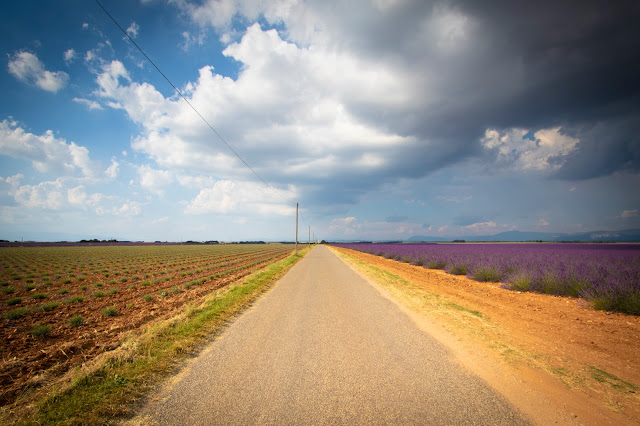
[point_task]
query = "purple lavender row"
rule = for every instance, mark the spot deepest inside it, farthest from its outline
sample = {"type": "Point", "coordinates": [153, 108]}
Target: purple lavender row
{"type": "Point", "coordinates": [606, 274]}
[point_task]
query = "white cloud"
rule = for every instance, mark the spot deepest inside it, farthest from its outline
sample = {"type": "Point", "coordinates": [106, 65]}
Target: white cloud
{"type": "Point", "coordinates": [480, 227]}
{"type": "Point", "coordinates": [85, 26]}
{"type": "Point", "coordinates": [198, 182]}
{"type": "Point", "coordinates": [46, 152]}
{"type": "Point", "coordinates": [13, 181]}
{"type": "Point", "coordinates": [154, 180]}
{"type": "Point", "coordinates": [227, 196]}
{"type": "Point", "coordinates": [544, 152]}
{"type": "Point", "coordinates": [192, 40]}
{"type": "Point", "coordinates": [629, 213]}
{"type": "Point", "coordinates": [92, 105]}
{"type": "Point", "coordinates": [26, 67]}
{"type": "Point", "coordinates": [265, 115]}
{"type": "Point", "coordinates": [69, 56]}
{"type": "Point", "coordinates": [47, 195]}
{"type": "Point", "coordinates": [112, 171]}
{"type": "Point", "coordinates": [133, 30]}
{"type": "Point", "coordinates": [131, 208]}
{"type": "Point", "coordinates": [77, 195]}
{"type": "Point", "coordinates": [543, 223]}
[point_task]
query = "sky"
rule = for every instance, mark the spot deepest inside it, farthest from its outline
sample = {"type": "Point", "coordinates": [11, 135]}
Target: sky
{"type": "Point", "coordinates": [383, 119]}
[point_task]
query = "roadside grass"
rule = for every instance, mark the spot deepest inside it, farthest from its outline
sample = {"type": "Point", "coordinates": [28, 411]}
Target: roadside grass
{"type": "Point", "coordinates": [474, 323]}
{"type": "Point", "coordinates": [114, 385]}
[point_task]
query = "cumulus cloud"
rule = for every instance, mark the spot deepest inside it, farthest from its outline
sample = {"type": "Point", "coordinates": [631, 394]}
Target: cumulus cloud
{"type": "Point", "coordinates": [481, 227]}
{"type": "Point", "coordinates": [475, 68]}
{"type": "Point", "coordinates": [227, 196]}
{"type": "Point", "coordinates": [65, 194]}
{"type": "Point", "coordinates": [629, 213]}
{"type": "Point", "coordinates": [47, 195]}
{"type": "Point", "coordinates": [266, 116]}
{"type": "Point", "coordinates": [26, 67]}
{"type": "Point", "coordinates": [46, 152]}
{"type": "Point", "coordinates": [69, 56]}
{"type": "Point", "coordinates": [154, 180]}
{"type": "Point", "coordinates": [546, 149]}
{"type": "Point", "coordinates": [112, 171]}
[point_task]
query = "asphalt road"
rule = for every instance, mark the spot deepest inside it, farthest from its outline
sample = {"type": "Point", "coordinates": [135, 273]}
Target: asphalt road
{"type": "Point", "coordinates": [324, 347]}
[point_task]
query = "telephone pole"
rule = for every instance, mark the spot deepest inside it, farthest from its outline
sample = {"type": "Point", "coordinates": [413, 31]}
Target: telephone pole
{"type": "Point", "coordinates": [296, 228]}
{"type": "Point", "coordinates": [309, 243]}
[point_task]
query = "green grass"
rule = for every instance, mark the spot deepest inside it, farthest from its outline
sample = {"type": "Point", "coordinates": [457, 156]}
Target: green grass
{"type": "Point", "coordinates": [111, 311]}
{"type": "Point", "coordinates": [463, 309]}
{"type": "Point", "coordinates": [111, 390]}
{"type": "Point", "coordinates": [8, 290]}
{"type": "Point", "coordinates": [39, 296]}
{"type": "Point", "coordinates": [75, 299]}
{"type": "Point", "coordinates": [17, 313]}
{"type": "Point", "coordinates": [47, 307]}
{"type": "Point", "coordinates": [14, 301]}
{"type": "Point", "coordinates": [40, 331]}
{"type": "Point", "coordinates": [99, 294]}
{"type": "Point", "coordinates": [611, 380]}
{"type": "Point", "coordinates": [76, 321]}
{"type": "Point", "coordinates": [147, 297]}
{"type": "Point", "coordinates": [63, 291]}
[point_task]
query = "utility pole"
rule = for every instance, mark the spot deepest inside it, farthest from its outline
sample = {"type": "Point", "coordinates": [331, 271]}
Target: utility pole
{"type": "Point", "coordinates": [296, 228]}
{"type": "Point", "coordinates": [309, 243]}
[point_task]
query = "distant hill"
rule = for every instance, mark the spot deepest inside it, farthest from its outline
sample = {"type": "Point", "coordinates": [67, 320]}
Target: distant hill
{"type": "Point", "coordinates": [627, 235]}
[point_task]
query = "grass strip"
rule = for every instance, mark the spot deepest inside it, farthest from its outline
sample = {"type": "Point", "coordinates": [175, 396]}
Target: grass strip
{"type": "Point", "coordinates": [114, 387]}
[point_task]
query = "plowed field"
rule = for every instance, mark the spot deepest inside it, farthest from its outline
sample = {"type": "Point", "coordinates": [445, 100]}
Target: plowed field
{"type": "Point", "coordinates": [106, 290]}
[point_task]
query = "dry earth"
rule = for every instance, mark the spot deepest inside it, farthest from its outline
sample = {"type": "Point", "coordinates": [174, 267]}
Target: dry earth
{"type": "Point", "coordinates": [555, 358]}
{"type": "Point", "coordinates": [27, 363]}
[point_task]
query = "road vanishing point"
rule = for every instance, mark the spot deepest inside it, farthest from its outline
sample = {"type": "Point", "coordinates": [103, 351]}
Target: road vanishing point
{"type": "Point", "coordinates": [323, 346]}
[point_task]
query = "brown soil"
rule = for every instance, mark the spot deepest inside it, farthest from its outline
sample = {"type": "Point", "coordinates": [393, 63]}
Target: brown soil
{"type": "Point", "coordinates": [552, 353]}
{"type": "Point", "coordinates": [29, 362]}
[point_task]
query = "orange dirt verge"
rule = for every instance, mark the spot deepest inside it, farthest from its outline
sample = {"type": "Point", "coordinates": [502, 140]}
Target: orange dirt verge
{"type": "Point", "coordinates": [584, 363]}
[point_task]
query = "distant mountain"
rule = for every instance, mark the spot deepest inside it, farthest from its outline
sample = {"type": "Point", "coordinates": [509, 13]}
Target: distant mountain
{"type": "Point", "coordinates": [627, 235]}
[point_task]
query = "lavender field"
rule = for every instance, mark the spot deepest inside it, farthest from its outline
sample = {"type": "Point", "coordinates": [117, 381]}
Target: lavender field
{"type": "Point", "coordinates": [606, 274]}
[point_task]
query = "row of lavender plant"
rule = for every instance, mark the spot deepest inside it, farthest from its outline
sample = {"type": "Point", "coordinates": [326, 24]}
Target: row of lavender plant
{"type": "Point", "coordinates": [606, 274]}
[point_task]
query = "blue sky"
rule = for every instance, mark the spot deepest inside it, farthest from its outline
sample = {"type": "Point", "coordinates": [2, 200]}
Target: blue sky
{"type": "Point", "coordinates": [383, 118]}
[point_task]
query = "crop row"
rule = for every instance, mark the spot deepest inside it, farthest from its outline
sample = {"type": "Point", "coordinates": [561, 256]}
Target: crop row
{"type": "Point", "coordinates": [80, 311]}
{"type": "Point", "coordinates": [606, 274]}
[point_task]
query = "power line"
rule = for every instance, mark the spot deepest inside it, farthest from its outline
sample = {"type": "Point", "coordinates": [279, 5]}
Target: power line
{"type": "Point", "coordinates": [192, 107]}
{"type": "Point", "coordinates": [182, 96]}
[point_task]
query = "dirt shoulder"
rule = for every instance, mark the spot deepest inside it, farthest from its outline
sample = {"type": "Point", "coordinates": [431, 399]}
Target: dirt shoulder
{"type": "Point", "coordinates": [555, 358]}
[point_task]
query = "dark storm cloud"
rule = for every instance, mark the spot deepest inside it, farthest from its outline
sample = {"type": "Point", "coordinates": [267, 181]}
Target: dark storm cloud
{"type": "Point", "coordinates": [605, 147]}
{"type": "Point", "coordinates": [534, 65]}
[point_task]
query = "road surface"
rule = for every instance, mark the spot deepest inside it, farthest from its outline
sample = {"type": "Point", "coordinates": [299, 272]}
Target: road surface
{"type": "Point", "coordinates": [323, 346]}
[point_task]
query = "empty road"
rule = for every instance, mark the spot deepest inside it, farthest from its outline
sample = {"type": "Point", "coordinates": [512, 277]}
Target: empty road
{"type": "Point", "coordinates": [324, 347]}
